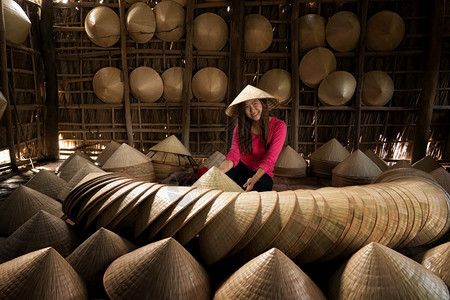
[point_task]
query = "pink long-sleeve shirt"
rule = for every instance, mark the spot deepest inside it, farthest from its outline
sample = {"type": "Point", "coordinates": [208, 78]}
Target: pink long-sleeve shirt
{"type": "Point", "coordinates": [261, 158]}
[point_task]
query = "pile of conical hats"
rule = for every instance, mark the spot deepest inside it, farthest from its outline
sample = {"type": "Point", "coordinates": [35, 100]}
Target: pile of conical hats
{"type": "Point", "coordinates": [106, 153]}
{"type": "Point", "coordinates": [432, 167]}
{"type": "Point", "coordinates": [69, 167]}
{"type": "Point", "coordinates": [437, 260]}
{"type": "Point", "coordinates": [290, 164]}
{"type": "Point", "coordinates": [328, 156]}
{"type": "Point", "coordinates": [46, 182]}
{"type": "Point", "coordinates": [356, 169]}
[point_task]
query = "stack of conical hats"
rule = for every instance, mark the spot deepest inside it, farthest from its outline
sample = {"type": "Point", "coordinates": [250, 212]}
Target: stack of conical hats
{"type": "Point", "coordinates": [169, 156]}
{"type": "Point", "coordinates": [437, 260]}
{"type": "Point", "coordinates": [258, 34]}
{"type": "Point", "coordinates": [376, 159]}
{"type": "Point", "coordinates": [214, 160]}
{"type": "Point", "coordinates": [378, 272]}
{"type": "Point", "coordinates": [141, 23]}
{"type": "Point", "coordinates": [328, 156]}
{"type": "Point", "coordinates": [160, 270]}
{"type": "Point", "coordinates": [311, 32]}
{"type": "Point", "coordinates": [73, 155]}
{"type": "Point", "coordinates": [102, 26]}
{"type": "Point", "coordinates": [41, 274]}
{"type": "Point", "coordinates": [271, 275]}
{"type": "Point", "coordinates": [392, 174]}
{"type": "Point", "coordinates": [107, 152]}
{"type": "Point", "coordinates": [130, 161]}
{"type": "Point", "coordinates": [46, 182]}
{"type": "Point", "coordinates": [72, 165]}
{"type": "Point", "coordinates": [356, 169]}
{"type": "Point", "coordinates": [87, 169]}
{"type": "Point", "coordinates": [170, 20]}
{"type": "Point", "coordinates": [290, 164]}
{"type": "Point", "coordinates": [442, 176]}
{"type": "Point", "coordinates": [216, 179]}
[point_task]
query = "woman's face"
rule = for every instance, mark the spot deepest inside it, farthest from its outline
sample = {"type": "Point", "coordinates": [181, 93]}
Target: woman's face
{"type": "Point", "coordinates": [253, 109]}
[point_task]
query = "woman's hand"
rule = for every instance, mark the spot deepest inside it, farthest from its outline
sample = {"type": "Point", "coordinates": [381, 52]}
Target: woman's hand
{"type": "Point", "coordinates": [250, 183]}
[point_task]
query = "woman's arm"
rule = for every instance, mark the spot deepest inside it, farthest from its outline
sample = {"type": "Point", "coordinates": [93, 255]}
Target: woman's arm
{"type": "Point", "coordinates": [226, 165]}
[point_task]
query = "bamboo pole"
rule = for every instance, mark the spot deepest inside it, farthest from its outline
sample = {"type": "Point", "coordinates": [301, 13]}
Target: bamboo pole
{"type": "Point", "coordinates": [294, 75]}
{"type": "Point", "coordinates": [237, 48]}
{"type": "Point", "coordinates": [7, 114]}
{"type": "Point", "coordinates": [430, 81]}
{"type": "Point", "coordinates": [187, 87]}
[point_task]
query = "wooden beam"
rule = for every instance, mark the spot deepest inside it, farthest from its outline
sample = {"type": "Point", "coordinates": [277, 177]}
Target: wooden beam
{"type": "Point", "coordinates": [430, 81]}
{"type": "Point", "coordinates": [237, 48]}
{"type": "Point", "coordinates": [187, 86]}
{"type": "Point", "coordinates": [294, 76]}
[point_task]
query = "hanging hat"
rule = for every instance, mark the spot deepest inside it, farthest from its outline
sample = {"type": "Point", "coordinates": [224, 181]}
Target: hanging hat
{"type": "Point", "coordinates": [385, 31]}
{"type": "Point", "coordinates": [68, 170]}
{"type": "Point", "coordinates": [107, 152]}
{"type": "Point", "coordinates": [271, 275]}
{"type": "Point", "coordinates": [41, 274]}
{"type": "Point", "coordinates": [102, 26]}
{"type": "Point", "coordinates": [290, 164]}
{"type": "Point", "coordinates": [3, 102]}
{"type": "Point", "coordinates": [173, 84]}
{"type": "Point", "coordinates": [210, 85]}
{"type": "Point", "coordinates": [316, 65]}
{"type": "Point", "coordinates": [171, 144]}
{"type": "Point", "coordinates": [46, 182]}
{"type": "Point", "coordinates": [442, 176]}
{"type": "Point", "coordinates": [376, 159]}
{"type": "Point", "coordinates": [22, 204]}
{"type": "Point", "coordinates": [337, 88]}
{"type": "Point", "coordinates": [146, 84]}
{"type": "Point", "coordinates": [214, 160]}
{"type": "Point", "coordinates": [426, 164]}
{"type": "Point", "coordinates": [277, 82]}
{"type": "Point", "coordinates": [17, 23]}
{"type": "Point", "coordinates": [218, 180]}
{"type": "Point", "coordinates": [140, 22]}
{"type": "Point", "coordinates": [87, 169]}
{"type": "Point", "coordinates": [356, 169]}
{"type": "Point", "coordinates": [210, 32]}
{"type": "Point", "coordinates": [108, 85]}
{"type": "Point", "coordinates": [250, 93]}
{"type": "Point", "coordinates": [343, 31]}
{"type": "Point", "coordinates": [160, 270]}
{"type": "Point", "coordinates": [377, 271]}
{"type": "Point", "coordinates": [437, 260]}
{"type": "Point", "coordinates": [311, 32]}
{"type": "Point", "coordinates": [378, 88]}
{"type": "Point", "coordinates": [170, 20]}
{"type": "Point", "coordinates": [41, 230]}
{"type": "Point", "coordinates": [258, 33]}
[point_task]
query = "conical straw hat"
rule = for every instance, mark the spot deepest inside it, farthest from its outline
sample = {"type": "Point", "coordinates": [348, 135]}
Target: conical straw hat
{"type": "Point", "coordinates": [437, 261]}
{"type": "Point", "coordinates": [218, 180]}
{"type": "Point", "coordinates": [378, 88]}
{"type": "Point", "coordinates": [22, 204]}
{"type": "Point", "coordinates": [102, 26]}
{"type": "Point", "coordinates": [107, 152]}
{"type": "Point", "coordinates": [224, 232]}
{"type": "Point", "coordinates": [316, 65]}
{"type": "Point", "coordinates": [385, 31]}
{"type": "Point", "coordinates": [277, 82]}
{"type": "Point", "coordinates": [170, 20]}
{"type": "Point", "coordinates": [47, 183]}
{"type": "Point", "coordinates": [17, 23]}
{"type": "Point", "coordinates": [400, 164]}
{"type": "Point", "coordinates": [258, 33]}
{"type": "Point", "coordinates": [392, 174]}
{"type": "Point", "coordinates": [442, 177]}
{"type": "Point", "coordinates": [342, 31]}
{"type": "Point", "coordinates": [271, 275]}
{"type": "Point", "coordinates": [125, 156]}
{"type": "Point", "coordinates": [3, 102]}
{"type": "Point", "coordinates": [311, 32]}
{"type": "Point", "coordinates": [357, 165]}
{"type": "Point", "coordinates": [290, 163]}
{"type": "Point", "coordinates": [376, 159]}
{"type": "Point", "coordinates": [249, 93]}
{"type": "Point", "coordinates": [426, 164]}
{"type": "Point", "coordinates": [331, 151]}
{"type": "Point", "coordinates": [214, 159]}
{"type": "Point", "coordinates": [140, 22]}
{"type": "Point", "coordinates": [171, 144]}
{"type": "Point", "coordinates": [67, 160]}
{"type": "Point", "coordinates": [108, 85]}
{"type": "Point", "coordinates": [337, 88]}
{"type": "Point", "coordinates": [87, 169]}
{"type": "Point", "coordinates": [95, 254]}
{"type": "Point", "coordinates": [146, 84]}
{"type": "Point", "coordinates": [68, 170]}
{"type": "Point", "coordinates": [210, 32]}
{"type": "Point", "coordinates": [173, 84]}
{"type": "Point", "coordinates": [161, 270]}
{"type": "Point", "coordinates": [210, 85]}
{"type": "Point", "coordinates": [378, 272]}
{"type": "Point", "coordinates": [41, 230]}
{"type": "Point", "coordinates": [41, 274]}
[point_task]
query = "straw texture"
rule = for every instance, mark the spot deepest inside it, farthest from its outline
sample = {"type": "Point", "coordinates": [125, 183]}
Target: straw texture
{"type": "Point", "coordinates": [171, 144]}
{"type": "Point", "coordinates": [214, 160]}
{"type": "Point", "coordinates": [68, 170]}
{"type": "Point", "coordinates": [210, 85]}
{"type": "Point", "coordinates": [46, 182]}
{"type": "Point", "coordinates": [87, 169]}
{"type": "Point", "coordinates": [106, 153]}
{"type": "Point", "coordinates": [146, 84]}
{"type": "Point", "coordinates": [108, 85]}
{"type": "Point", "coordinates": [357, 168]}
{"type": "Point", "coordinates": [173, 84]}
{"type": "Point", "coordinates": [249, 93]}
{"type": "Point", "coordinates": [442, 177]}
{"type": "Point", "coordinates": [216, 179]}
{"type": "Point", "coordinates": [426, 164]}
{"type": "Point", "coordinates": [17, 23]}
{"type": "Point", "coordinates": [378, 88]}
{"type": "Point", "coordinates": [342, 31]}
{"type": "Point", "coordinates": [326, 157]}
{"type": "Point", "coordinates": [210, 32]}
{"type": "Point", "coordinates": [73, 155]}
{"type": "Point", "coordinates": [437, 260]}
{"type": "Point", "coordinates": [385, 31]}
{"type": "Point", "coordinates": [277, 82]}
{"type": "Point", "coordinates": [311, 32]}
{"type": "Point", "coordinates": [42, 274]}
{"type": "Point", "coordinates": [102, 26]}
{"type": "Point", "coordinates": [140, 22]}
{"type": "Point", "coordinates": [376, 159]}
{"type": "Point", "coordinates": [337, 88]}
{"type": "Point", "coordinates": [316, 65]}
{"type": "Point", "coordinates": [258, 34]}
{"type": "Point", "coordinates": [170, 20]}
{"type": "Point", "coordinates": [290, 164]}
{"type": "Point", "coordinates": [161, 270]}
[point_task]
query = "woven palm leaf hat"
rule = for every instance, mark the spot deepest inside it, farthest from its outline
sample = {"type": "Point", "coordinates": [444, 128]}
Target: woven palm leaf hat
{"type": "Point", "coordinates": [271, 275]}
{"type": "Point", "coordinates": [277, 82]}
{"type": "Point", "coordinates": [102, 26]}
{"type": "Point", "coordinates": [290, 164]}
{"type": "Point", "coordinates": [161, 270]}
{"type": "Point", "coordinates": [337, 88]}
{"type": "Point", "coordinates": [258, 33]}
{"type": "Point", "coordinates": [173, 84]}
{"type": "Point", "coordinates": [216, 179]}
{"type": "Point", "coordinates": [107, 152]}
{"type": "Point", "coordinates": [170, 20]}
{"type": "Point", "coordinates": [210, 32]}
{"type": "Point", "coordinates": [108, 85]}
{"type": "Point", "coordinates": [214, 159]}
{"type": "Point", "coordinates": [210, 85]}
{"type": "Point", "coordinates": [437, 260]}
{"type": "Point", "coordinates": [342, 31]}
{"type": "Point", "coordinates": [68, 170]}
{"type": "Point", "coordinates": [315, 66]}
{"type": "Point", "coordinates": [22, 204]}
{"type": "Point", "coordinates": [67, 188]}
{"type": "Point", "coordinates": [17, 23]}
{"type": "Point", "coordinates": [146, 84]}
{"type": "Point", "coordinates": [3, 102]}
{"type": "Point", "coordinates": [385, 31]}
{"type": "Point", "coordinates": [376, 159]}
{"type": "Point", "coordinates": [311, 32]}
{"type": "Point", "coordinates": [426, 164]}
{"type": "Point", "coordinates": [378, 88]}
{"type": "Point", "coordinates": [41, 274]}
{"type": "Point", "coordinates": [46, 182]}
{"type": "Point", "coordinates": [41, 230]}
{"type": "Point", "coordinates": [250, 93]}
{"type": "Point", "coordinates": [356, 169]}
{"type": "Point", "coordinates": [378, 272]}
{"type": "Point", "coordinates": [141, 22]}
{"type": "Point", "coordinates": [442, 176]}
{"type": "Point", "coordinates": [326, 157]}
{"type": "Point", "coordinates": [73, 155]}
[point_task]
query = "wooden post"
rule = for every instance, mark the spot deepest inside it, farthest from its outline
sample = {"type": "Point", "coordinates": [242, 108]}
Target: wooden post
{"type": "Point", "coordinates": [126, 83]}
{"type": "Point", "coordinates": [187, 86]}
{"type": "Point", "coordinates": [294, 75]}
{"type": "Point", "coordinates": [430, 81]}
{"type": "Point", "coordinates": [237, 48]}
{"type": "Point", "coordinates": [7, 114]}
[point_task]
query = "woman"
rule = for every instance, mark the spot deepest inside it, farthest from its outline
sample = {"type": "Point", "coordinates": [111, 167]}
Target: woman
{"type": "Point", "coordinates": [257, 140]}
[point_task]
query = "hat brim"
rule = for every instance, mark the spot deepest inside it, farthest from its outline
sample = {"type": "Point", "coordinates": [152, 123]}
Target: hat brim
{"type": "Point", "coordinates": [250, 93]}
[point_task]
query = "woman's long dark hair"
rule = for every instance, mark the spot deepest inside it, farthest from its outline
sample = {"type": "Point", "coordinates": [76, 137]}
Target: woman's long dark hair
{"type": "Point", "coordinates": [245, 128]}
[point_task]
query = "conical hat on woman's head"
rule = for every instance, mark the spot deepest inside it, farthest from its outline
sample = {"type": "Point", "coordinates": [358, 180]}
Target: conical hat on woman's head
{"type": "Point", "coordinates": [385, 31]}
{"type": "Point", "coordinates": [108, 85]}
{"type": "Point", "coordinates": [141, 23]}
{"type": "Point", "coordinates": [378, 88]}
{"type": "Point", "coordinates": [343, 31]}
{"type": "Point", "coordinates": [249, 93]}
{"type": "Point", "coordinates": [102, 26]}
{"type": "Point", "coordinates": [210, 32]}
{"type": "Point", "coordinates": [277, 82]}
{"type": "Point", "coordinates": [311, 32]}
{"type": "Point", "coordinates": [337, 88]}
{"type": "Point", "coordinates": [316, 65]}
{"type": "Point", "coordinates": [258, 33]}
{"type": "Point", "coordinates": [146, 84]}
